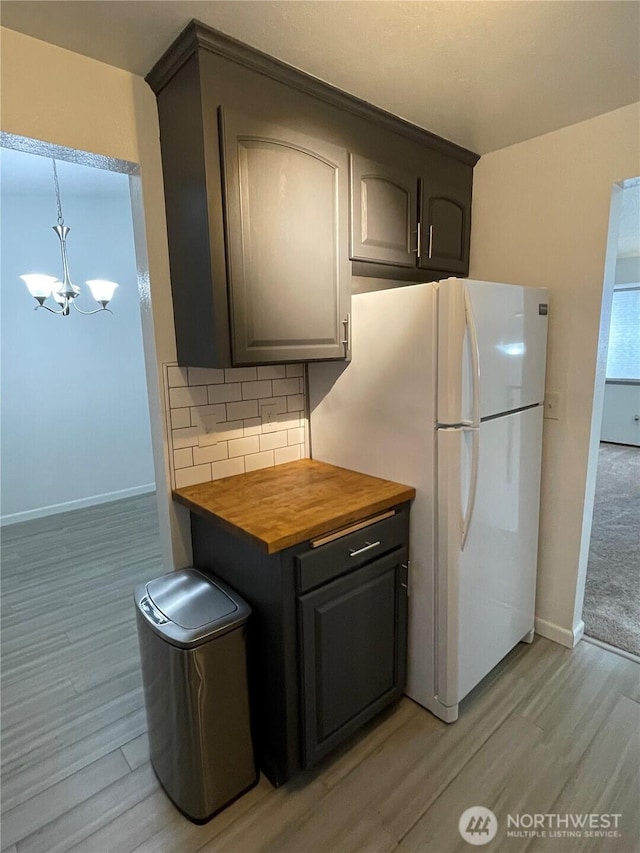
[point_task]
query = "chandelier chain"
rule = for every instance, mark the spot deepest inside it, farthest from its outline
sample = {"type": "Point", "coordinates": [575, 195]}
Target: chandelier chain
{"type": "Point", "coordinates": [57, 188]}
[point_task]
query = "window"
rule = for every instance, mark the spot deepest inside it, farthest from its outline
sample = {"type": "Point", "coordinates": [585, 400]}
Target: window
{"type": "Point", "coordinates": [623, 359]}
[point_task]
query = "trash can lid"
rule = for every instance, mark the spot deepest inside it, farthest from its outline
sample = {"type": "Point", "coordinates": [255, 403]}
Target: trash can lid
{"type": "Point", "coordinates": [190, 599]}
{"type": "Point", "coordinates": [187, 607]}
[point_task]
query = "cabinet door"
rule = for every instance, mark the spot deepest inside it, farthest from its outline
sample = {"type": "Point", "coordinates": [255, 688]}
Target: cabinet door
{"type": "Point", "coordinates": [353, 638]}
{"type": "Point", "coordinates": [383, 213]}
{"type": "Point", "coordinates": [445, 223]}
{"type": "Point", "coordinates": [286, 230]}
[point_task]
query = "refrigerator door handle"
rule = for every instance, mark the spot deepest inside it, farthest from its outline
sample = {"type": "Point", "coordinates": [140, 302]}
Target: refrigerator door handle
{"type": "Point", "coordinates": [473, 485]}
{"type": "Point", "coordinates": [475, 357]}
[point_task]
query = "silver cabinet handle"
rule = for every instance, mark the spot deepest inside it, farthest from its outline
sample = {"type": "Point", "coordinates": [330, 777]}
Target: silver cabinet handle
{"type": "Point", "coordinates": [366, 547]}
{"type": "Point", "coordinates": [346, 342]}
{"type": "Point", "coordinates": [430, 239]}
{"type": "Point", "coordinates": [416, 251]}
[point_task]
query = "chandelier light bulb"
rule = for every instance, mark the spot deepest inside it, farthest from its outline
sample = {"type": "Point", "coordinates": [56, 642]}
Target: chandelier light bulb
{"type": "Point", "coordinates": [101, 290]}
{"type": "Point", "coordinates": [39, 286]}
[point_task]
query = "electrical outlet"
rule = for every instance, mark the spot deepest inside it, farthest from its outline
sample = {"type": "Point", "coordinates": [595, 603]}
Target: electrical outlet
{"type": "Point", "coordinates": [552, 404]}
{"type": "Point", "coordinates": [207, 426]}
{"type": "Point", "coordinates": [269, 414]}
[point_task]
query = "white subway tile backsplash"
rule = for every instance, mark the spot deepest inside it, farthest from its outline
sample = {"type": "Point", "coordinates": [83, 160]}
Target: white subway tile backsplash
{"type": "Point", "coordinates": [287, 454]}
{"type": "Point", "coordinates": [228, 468]}
{"type": "Point", "coordinates": [246, 409]}
{"type": "Point", "coordinates": [211, 410]}
{"type": "Point", "coordinates": [253, 426]}
{"type": "Point", "coordinates": [188, 396]}
{"type": "Point", "coordinates": [242, 446]}
{"type": "Point", "coordinates": [295, 403]}
{"type": "Point", "coordinates": [192, 476]}
{"type": "Point", "coordinates": [230, 430]}
{"type": "Point", "coordinates": [176, 376]}
{"type": "Point", "coordinates": [187, 437]}
{"type": "Point", "coordinates": [271, 440]}
{"type": "Point", "coordinates": [180, 418]}
{"type": "Point", "coordinates": [282, 387]}
{"type": "Point", "coordinates": [255, 390]}
{"type": "Point", "coordinates": [225, 393]}
{"type": "Point", "coordinates": [183, 458]}
{"type": "Point", "coordinates": [295, 436]}
{"type": "Point", "coordinates": [272, 371]}
{"type": "Point", "coordinates": [258, 460]}
{"type": "Point", "coordinates": [280, 404]}
{"type": "Point", "coordinates": [287, 420]}
{"type": "Point", "coordinates": [217, 425]}
{"type": "Point", "coordinates": [240, 374]}
{"type": "Point", "coordinates": [205, 376]}
{"type": "Point", "coordinates": [213, 453]}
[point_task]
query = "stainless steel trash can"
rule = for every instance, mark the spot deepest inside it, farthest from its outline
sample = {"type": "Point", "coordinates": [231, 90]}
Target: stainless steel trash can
{"type": "Point", "coordinates": [192, 635]}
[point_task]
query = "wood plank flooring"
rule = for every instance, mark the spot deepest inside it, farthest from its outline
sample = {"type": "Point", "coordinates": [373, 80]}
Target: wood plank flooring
{"type": "Point", "coordinates": [548, 731]}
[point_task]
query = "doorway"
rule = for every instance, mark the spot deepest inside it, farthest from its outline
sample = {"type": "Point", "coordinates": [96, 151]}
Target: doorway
{"type": "Point", "coordinates": [75, 413]}
{"type": "Point", "coordinates": [611, 609]}
{"type": "Point", "coordinates": [79, 509]}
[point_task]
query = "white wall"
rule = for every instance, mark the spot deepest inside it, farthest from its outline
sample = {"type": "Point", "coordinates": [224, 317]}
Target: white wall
{"type": "Point", "coordinates": [110, 112]}
{"type": "Point", "coordinates": [75, 411]}
{"type": "Point", "coordinates": [540, 218]}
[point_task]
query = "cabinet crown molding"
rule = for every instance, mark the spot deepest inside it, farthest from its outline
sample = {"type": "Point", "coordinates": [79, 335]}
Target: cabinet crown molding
{"type": "Point", "coordinates": [198, 36]}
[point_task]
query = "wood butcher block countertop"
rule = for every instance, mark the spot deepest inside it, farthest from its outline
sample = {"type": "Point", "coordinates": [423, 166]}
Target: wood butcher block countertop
{"type": "Point", "coordinates": [283, 506]}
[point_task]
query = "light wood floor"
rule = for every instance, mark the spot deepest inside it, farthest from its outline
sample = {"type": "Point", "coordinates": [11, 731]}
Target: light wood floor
{"type": "Point", "coordinates": [550, 731]}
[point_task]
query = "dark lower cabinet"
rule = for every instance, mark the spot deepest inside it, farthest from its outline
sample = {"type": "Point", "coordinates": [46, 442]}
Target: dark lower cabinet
{"type": "Point", "coordinates": [353, 651]}
{"type": "Point", "coordinates": [327, 635]}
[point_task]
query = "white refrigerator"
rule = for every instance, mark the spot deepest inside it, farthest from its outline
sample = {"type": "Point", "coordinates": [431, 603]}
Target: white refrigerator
{"type": "Point", "coordinates": [445, 392]}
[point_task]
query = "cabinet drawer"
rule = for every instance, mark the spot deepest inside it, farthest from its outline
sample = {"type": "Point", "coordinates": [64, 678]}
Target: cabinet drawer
{"type": "Point", "coordinates": [343, 554]}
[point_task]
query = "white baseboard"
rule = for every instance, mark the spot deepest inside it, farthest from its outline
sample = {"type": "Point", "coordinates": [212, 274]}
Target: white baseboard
{"type": "Point", "coordinates": [81, 503]}
{"type": "Point", "coordinates": [563, 636]}
{"type": "Point", "coordinates": [578, 632]}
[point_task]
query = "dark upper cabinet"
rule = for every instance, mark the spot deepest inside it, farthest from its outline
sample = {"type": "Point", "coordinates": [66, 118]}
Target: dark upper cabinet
{"type": "Point", "coordinates": [261, 250]}
{"type": "Point", "coordinates": [445, 223]}
{"type": "Point", "coordinates": [401, 220]}
{"type": "Point", "coordinates": [286, 235]}
{"type": "Point", "coordinates": [383, 213]}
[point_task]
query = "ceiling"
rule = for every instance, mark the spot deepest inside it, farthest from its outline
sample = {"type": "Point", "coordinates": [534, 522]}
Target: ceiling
{"type": "Point", "coordinates": [483, 74]}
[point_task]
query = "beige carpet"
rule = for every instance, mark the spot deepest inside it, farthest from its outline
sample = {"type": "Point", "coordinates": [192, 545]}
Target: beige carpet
{"type": "Point", "coordinates": [612, 595]}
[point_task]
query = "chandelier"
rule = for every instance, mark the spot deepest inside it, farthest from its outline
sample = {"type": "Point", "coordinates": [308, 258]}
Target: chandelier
{"type": "Point", "coordinates": [65, 293]}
